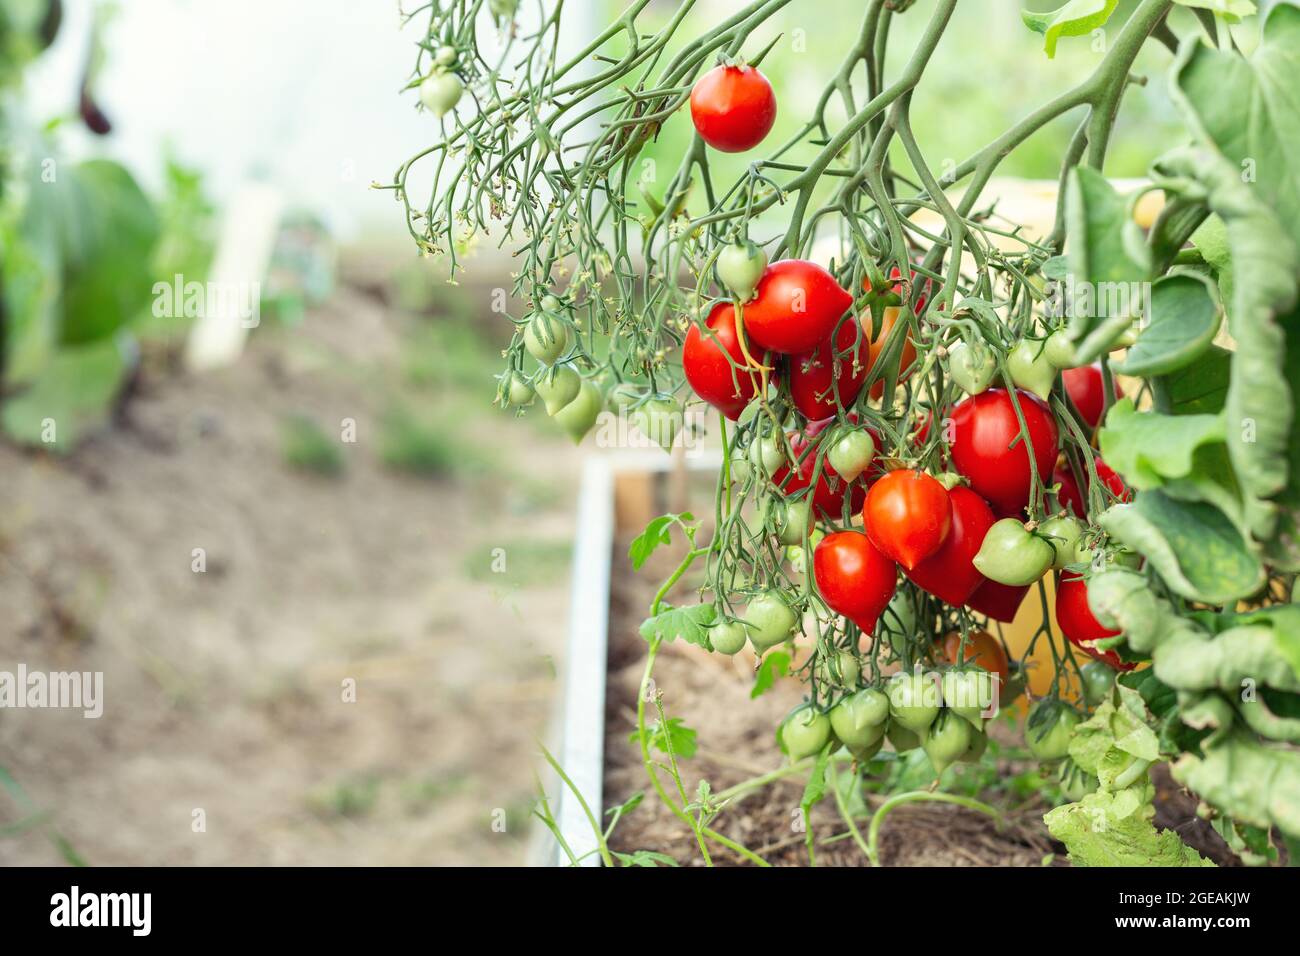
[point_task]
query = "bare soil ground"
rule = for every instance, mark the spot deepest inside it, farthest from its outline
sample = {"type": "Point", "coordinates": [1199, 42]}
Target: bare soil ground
{"type": "Point", "coordinates": [225, 689]}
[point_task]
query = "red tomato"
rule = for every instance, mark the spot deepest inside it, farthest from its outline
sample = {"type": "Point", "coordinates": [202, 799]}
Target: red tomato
{"type": "Point", "coordinates": [733, 108]}
{"type": "Point", "coordinates": [1071, 497]}
{"type": "Point", "coordinates": [948, 573]}
{"type": "Point", "coordinates": [1079, 624]}
{"type": "Point", "coordinates": [984, 426]}
{"type": "Point", "coordinates": [828, 496]}
{"type": "Point", "coordinates": [982, 649]}
{"type": "Point", "coordinates": [1084, 386]}
{"type": "Point", "coordinates": [998, 601]}
{"type": "Point", "coordinates": [845, 366]}
{"type": "Point", "coordinates": [907, 516]}
{"type": "Point", "coordinates": [704, 359]}
{"type": "Point", "coordinates": [795, 307]}
{"type": "Point", "coordinates": [854, 578]}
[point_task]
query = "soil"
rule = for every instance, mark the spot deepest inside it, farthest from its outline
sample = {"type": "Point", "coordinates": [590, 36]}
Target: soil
{"type": "Point", "coordinates": [227, 735]}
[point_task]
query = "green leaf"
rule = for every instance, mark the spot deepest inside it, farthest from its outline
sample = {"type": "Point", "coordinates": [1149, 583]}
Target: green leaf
{"type": "Point", "coordinates": [1211, 241]}
{"type": "Point", "coordinates": [1193, 546]}
{"type": "Point", "coordinates": [1148, 448]}
{"type": "Point", "coordinates": [1250, 781]}
{"type": "Point", "coordinates": [1105, 281]}
{"type": "Point", "coordinates": [1076, 18]}
{"type": "Point", "coordinates": [691, 624]}
{"type": "Point", "coordinates": [1106, 829]}
{"type": "Point", "coordinates": [676, 733]}
{"type": "Point", "coordinates": [1182, 321]}
{"type": "Point", "coordinates": [1230, 10]}
{"type": "Point", "coordinates": [1245, 119]}
{"type": "Point", "coordinates": [72, 395]}
{"type": "Point", "coordinates": [774, 665]}
{"type": "Point", "coordinates": [1197, 389]}
{"type": "Point", "coordinates": [815, 789]}
{"type": "Point", "coordinates": [1247, 655]}
{"type": "Point", "coordinates": [108, 276]}
{"type": "Point", "coordinates": [656, 533]}
{"type": "Point", "coordinates": [644, 858]}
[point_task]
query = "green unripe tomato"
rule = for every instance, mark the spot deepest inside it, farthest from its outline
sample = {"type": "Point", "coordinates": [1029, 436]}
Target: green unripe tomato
{"type": "Point", "coordinates": [794, 520]}
{"type": "Point", "coordinates": [1049, 729]}
{"type": "Point", "coordinates": [766, 455]}
{"type": "Point", "coordinates": [446, 56]}
{"type": "Point", "coordinates": [769, 620]}
{"type": "Point", "coordinates": [972, 367]}
{"type": "Point", "coordinates": [900, 738]}
{"type": "Point", "coordinates": [659, 419]}
{"type": "Point", "coordinates": [805, 732]}
{"type": "Point", "coordinates": [1098, 679]}
{"type": "Point", "coordinates": [839, 669]}
{"type": "Point", "coordinates": [551, 304]}
{"type": "Point", "coordinates": [517, 391]}
{"type": "Point", "coordinates": [503, 9]}
{"type": "Point", "coordinates": [851, 453]}
{"type": "Point", "coordinates": [728, 637]}
{"type": "Point", "coordinates": [859, 719]}
{"type": "Point", "coordinates": [558, 387]}
{"type": "Point", "coordinates": [740, 468]}
{"type": "Point", "coordinates": [1030, 369]}
{"type": "Point", "coordinates": [1076, 783]}
{"type": "Point", "coordinates": [740, 266]}
{"type": "Point", "coordinates": [969, 694]}
{"type": "Point", "coordinates": [440, 92]}
{"type": "Point", "coordinates": [579, 415]}
{"type": "Point", "coordinates": [1013, 556]}
{"type": "Point", "coordinates": [979, 742]}
{"type": "Point", "coordinates": [946, 740]}
{"type": "Point", "coordinates": [1063, 533]}
{"type": "Point", "coordinates": [1059, 350]}
{"type": "Point", "coordinates": [863, 754]}
{"type": "Point", "coordinates": [546, 337]}
{"type": "Point", "coordinates": [899, 620]}
{"type": "Point", "coordinates": [914, 700]}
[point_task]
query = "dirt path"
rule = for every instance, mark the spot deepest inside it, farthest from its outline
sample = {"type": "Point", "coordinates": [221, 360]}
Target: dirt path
{"type": "Point", "coordinates": [225, 689]}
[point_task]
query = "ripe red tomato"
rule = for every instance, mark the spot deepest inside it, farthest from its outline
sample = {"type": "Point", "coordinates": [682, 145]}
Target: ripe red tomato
{"type": "Point", "coordinates": [854, 578]}
{"type": "Point", "coordinates": [733, 108]}
{"type": "Point", "coordinates": [1079, 624]}
{"type": "Point", "coordinates": [813, 373]}
{"type": "Point", "coordinates": [907, 516]}
{"type": "Point", "coordinates": [948, 574]}
{"type": "Point", "coordinates": [1072, 497]}
{"type": "Point", "coordinates": [828, 496]}
{"type": "Point", "coordinates": [984, 427]}
{"type": "Point", "coordinates": [1084, 386]}
{"type": "Point", "coordinates": [795, 307]}
{"type": "Point", "coordinates": [982, 649]}
{"type": "Point", "coordinates": [998, 601]}
{"type": "Point", "coordinates": [704, 359]}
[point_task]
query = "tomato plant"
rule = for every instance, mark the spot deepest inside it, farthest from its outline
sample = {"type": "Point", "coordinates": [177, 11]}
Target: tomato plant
{"type": "Point", "coordinates": [957, 399]}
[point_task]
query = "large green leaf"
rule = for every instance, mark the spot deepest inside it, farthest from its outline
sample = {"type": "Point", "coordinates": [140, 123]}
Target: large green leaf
{"type": "Point", "coordinates": [1105, 281]}
{"type": "Point", "coordinates": [72, 394]}
{"type": "Point", "coordinates": [1245, 117]}
{"type": "Point", "coordinates": [1076, 18]}
{"type": "Point", "coordinates": [1250, 781]}
{"type": "Point", "coordinates": [1147, 448]}
{"type": "Point", "coordinates": [1200, 388]}
{"type": "Point", "coordinates": [108, 271]}
{"type": "Point", "coordinates": [1193, 546]}
{"type": "Point", "coordinates": [1182, 320]}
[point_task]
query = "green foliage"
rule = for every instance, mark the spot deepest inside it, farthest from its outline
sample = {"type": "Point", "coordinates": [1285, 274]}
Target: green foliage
{"type": "Point", "coordinates": [1076, 18]}
{"type": "Point", "coordinates": [305, 445]}
{"type": "Point", "coordinates": [691, 624]}
{"type": "Point", "coordinates": [672, 737]}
